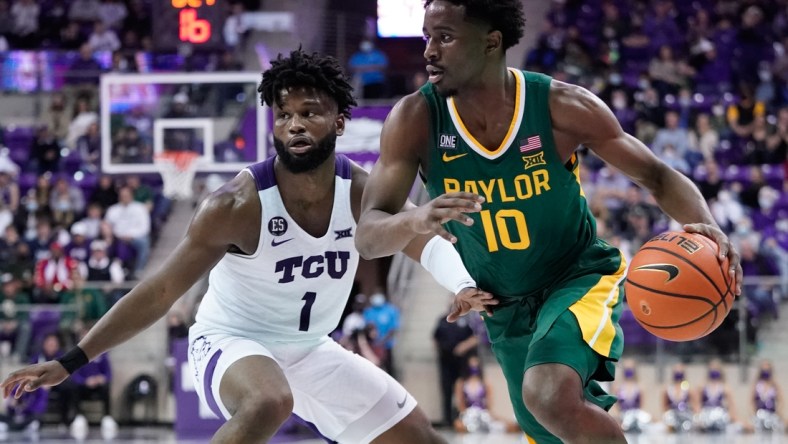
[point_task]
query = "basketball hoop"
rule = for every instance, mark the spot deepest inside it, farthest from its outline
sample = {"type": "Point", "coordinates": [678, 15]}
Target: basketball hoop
{"type": "Point", "coordinates": [177, 169]}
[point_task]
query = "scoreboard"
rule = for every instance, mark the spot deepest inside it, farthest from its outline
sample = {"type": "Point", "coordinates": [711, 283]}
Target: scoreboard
{"type": "Point", "coordinates": [196, 22]}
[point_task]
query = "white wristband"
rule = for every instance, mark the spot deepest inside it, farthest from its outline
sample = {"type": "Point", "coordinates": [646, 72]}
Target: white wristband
{"type": "Point", "coordinates": [442, 261]}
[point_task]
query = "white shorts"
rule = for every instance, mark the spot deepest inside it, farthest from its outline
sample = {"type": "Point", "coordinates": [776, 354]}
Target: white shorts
{"type": "Point", "coordinates": [346, 397]}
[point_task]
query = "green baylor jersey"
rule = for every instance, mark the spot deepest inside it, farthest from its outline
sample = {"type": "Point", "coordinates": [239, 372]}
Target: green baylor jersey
{"type": "Point", "coordinates": [535, 221]}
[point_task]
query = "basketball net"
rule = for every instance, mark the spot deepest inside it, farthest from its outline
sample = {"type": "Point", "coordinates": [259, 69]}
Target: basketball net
{"type": "Point", "coordinates": [177, 169]}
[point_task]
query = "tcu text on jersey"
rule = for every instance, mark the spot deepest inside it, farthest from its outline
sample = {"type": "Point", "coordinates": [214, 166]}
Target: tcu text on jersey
{"type": "Point", "coordinates": [333, 262]}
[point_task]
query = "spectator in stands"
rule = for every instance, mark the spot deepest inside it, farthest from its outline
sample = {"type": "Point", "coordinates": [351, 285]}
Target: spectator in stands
{"type": "Point", "coordinates": [753, 44]}
{"type": "Point", "coordinates": [25, 14]}
{"type": "Point", "coordinates": [84, 11]}
{"type": "Point", "coordinates": [717, 410]}
{"type": "Point", "coordinates": [102, 267]}
{"type": "Point", "coordinates": [454, 342]}
{"type": "Point", "coordinates": [9, 189]}
{"type": "Point", "coordinates": [14, 320]}
{"type": "Point", "coordinates": [53, 18]}
{"type": "Point", "coordinates": [235, 30]}
{"type": "Point", "coordinates": [84, 116]}
{"type": "Point", "coordinates": [65, 394]}
{"type": "Point", "coordinates": [741, 115]}
{"type": "Point", "coordinates": [24, 414]}
{"type": "Point", "coordinates": [66, 201]}
{"type": "Point", "coordinates": [8, 243]}
{"type": "Point", "coordinates": [70, 37]}
{"type": "Point", "coordinates": [679, 402]}
{"type": "Point", "coordinates": [112, 13]}
{"type": "Point", "coordinates": [129, 147]}
{"type": "Point", "coordinates": [56, 116]}
{"type": "Point", "coordinates": [661, 25]}
{"type": "Point", "coordinates": [79, 247]}
{"type": "Point", "coordinates": [711, 184]}
{"type": "Point", "coordinates": [93, 382]}
{"type": "Point", "coordinates": [46, 152]}
{"type": "Point", "coordinates": [755, 261]}
{"type": "Point", "coordinates": [766, 216]}
{"type": "Point", "coordinates": [103, 38]}
{"type": "Point", "coordinates": [626, 115]}
{"type": "Point", "coordinates": [756, 148]}
{"type": "Point", "coordinates": [749, 193]}
{"type": "Point", "coordinates": [89, 148]}
{"type": "Point", "coordinates": [55, 276]}
{"type": "Point", "coordinates": [776, 239]}
{"type": "Point", "coordinates": [39, 245]}
{"type": "Point", "coordinates": [767, 400]}
{"type": "Point", "coordinates": [704, 138]}
{"type": "Point", "coordinates": [142, 192]}
{"type": "Point", "coordinates": [673, 159]}
{"type": "Point", "coordinates": [650, 114]}
{"type": "Point", "coordinates": [668, 74]}
{"type": "Point", "coordinates": [85, 70]}
{"type": "Point", "coordinates": [671, 134]}
{"type": "Point", "coordinates": [106, 193]}
{"type": "Point", "coordinates": [92, 220]}
{"type": "Point", "coordinates": [355, 319]}
{"type": "Point", "coordinates": [139, 16]}
{"type": "Point", "coordinates": [546, 54]}
{"type": "Point", "coordinates": [368, 66]}
{"type": "Point", "coordinates": [130, 223]}
{"type": "Point", "coordinates": [777, 141]}
{"type": "Point", "coordinates": [6, 19]}
{"type": "Point", "coordinates": [385, 317]}
{"type": "Point", "coordinates": [632, 417]}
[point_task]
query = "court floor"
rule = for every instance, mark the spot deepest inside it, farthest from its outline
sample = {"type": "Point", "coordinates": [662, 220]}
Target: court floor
{"type": "Point", "coordinates": [161, 435]}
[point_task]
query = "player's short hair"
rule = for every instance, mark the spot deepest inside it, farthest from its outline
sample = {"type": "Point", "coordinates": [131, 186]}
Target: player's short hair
{"type": "Point", "coordinates": [312, 70]}
{"type": "Point", "coordinates": [502, 15]}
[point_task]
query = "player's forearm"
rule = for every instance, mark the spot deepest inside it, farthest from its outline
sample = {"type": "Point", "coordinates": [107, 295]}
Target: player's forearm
{"type": "Point", "coordinates": [381, 234]}
{"type": "Point", "coordinates": [133, 313]}
{"type": "Point", "coordinates": [680, 199]}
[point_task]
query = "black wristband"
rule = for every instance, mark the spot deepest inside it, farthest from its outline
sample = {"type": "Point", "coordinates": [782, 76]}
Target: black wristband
{"type": "Point", "coordinates": [73, 360]}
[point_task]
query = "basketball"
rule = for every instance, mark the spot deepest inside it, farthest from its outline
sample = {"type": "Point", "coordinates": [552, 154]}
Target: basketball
{"type": "Point", "coordinates": [677, 288]}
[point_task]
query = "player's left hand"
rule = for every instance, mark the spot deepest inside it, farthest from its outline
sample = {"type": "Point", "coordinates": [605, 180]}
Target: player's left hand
{"type": "Point", "coordinates": [468, 299]}
{"type": "Point", "coordinates": [726, 250]}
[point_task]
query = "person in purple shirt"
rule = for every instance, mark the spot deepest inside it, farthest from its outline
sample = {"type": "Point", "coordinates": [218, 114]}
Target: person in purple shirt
{"type": "Point", "coordinates": [64, 394]}
{"type": "Point", "coordinates": [25, 413]}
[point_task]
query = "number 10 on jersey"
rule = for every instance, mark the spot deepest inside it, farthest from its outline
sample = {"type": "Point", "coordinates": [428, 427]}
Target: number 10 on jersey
{"type": "Point", "coordinates": [500, 229]}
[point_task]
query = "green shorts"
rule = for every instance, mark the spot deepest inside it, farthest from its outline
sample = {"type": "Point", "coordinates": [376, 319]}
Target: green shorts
{"type": "Point", "coordinates": [576, 324]}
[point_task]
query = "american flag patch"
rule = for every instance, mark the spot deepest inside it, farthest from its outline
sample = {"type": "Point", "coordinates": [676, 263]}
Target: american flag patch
{"type": "Point", "coordinates": [530, 144]}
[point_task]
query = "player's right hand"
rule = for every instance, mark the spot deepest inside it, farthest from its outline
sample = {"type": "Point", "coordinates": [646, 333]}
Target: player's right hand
{"type": "Point", "coordinates": [430, 217]}
{"type": "Point", "coordinates": [471, 299]}
{"type": "Point", "coordinates": [33, 377]}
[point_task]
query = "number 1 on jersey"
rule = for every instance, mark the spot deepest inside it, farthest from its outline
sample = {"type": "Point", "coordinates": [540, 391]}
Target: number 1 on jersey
{"type": "Point", "coordinates": [517, 217]}
{"type": "Point", "coordinates": [306, 312]}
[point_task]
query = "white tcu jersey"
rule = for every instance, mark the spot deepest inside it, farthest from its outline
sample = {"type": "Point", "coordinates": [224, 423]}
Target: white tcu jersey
{"type": "Point", "coordinates": [295, 286]}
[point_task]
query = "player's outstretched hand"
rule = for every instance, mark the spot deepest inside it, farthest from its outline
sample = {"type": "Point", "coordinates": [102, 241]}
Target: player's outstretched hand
{"type": "Point", "coordinates": [471, 299]}
{"type": "Point", "coordinates": [726, 249]}
{"type": "Point", "coordinates": [430, 217]}
{"type": "Point", "coordinates": [33, 377]}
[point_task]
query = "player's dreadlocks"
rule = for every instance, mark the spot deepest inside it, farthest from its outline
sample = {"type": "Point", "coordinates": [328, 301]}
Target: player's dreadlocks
{"type": "Point", "coordinates": [301, 69]}
{"type": "Point", "coordinates": [502, 15]}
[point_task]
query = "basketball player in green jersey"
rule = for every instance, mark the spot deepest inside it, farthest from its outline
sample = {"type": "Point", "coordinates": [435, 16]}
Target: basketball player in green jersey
{"type": "Point", "coordinates": [495, 148]}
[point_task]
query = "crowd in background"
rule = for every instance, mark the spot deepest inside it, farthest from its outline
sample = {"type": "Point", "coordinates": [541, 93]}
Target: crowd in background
{"type": "Point", "coordinates": [703, 83]}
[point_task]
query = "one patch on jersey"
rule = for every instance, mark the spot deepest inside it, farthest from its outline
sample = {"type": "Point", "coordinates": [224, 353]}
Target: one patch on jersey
{"type": "Point", "coordinates": [530, 144]}
{"type": "Point", "coordinates": [447, 141]}
{"type": "Point", "coordinates": [534, 160]}
{"type": "Point", "coordinates": [277, 226]}
{"type": "Point", "coordinates": [341, 234]}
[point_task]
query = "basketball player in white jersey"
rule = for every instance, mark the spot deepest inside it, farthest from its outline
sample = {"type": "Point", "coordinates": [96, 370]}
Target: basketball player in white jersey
{"type": "Point", "coordinates": [278, 242]}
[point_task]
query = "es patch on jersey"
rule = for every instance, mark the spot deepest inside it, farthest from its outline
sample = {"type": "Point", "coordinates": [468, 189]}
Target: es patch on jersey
{"type": "Point", "coordinates": [277, 226]}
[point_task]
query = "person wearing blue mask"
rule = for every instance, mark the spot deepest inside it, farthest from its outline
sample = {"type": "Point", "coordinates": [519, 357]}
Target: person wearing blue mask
{"type": "Point", "coordinates": [385, 317]}
{"type": "Point", "coordinates": [368, 66]}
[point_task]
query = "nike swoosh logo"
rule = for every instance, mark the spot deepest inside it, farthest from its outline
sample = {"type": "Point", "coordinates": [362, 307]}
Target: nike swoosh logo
{"type": "Point", "coordinates": [402, 404]}
{"type": "Point", "coordinates": [670, 269]}
{"type": "Point", "coordinates": [448, 158]}
{"type": "Point", "coordinates": [274, 243]}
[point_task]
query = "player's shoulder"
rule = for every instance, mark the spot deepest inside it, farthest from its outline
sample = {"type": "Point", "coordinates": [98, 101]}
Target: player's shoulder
{"type": "Point", "coordinates": [412, 107]}
{"type": "Point", "coordinates": [237, 196]}
{"type": "Point", "coordinates": [562, 93]}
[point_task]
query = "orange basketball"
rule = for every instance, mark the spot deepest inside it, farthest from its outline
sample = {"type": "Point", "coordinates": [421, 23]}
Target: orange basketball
{"type": "Point", "coordinates": [677, 288]}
